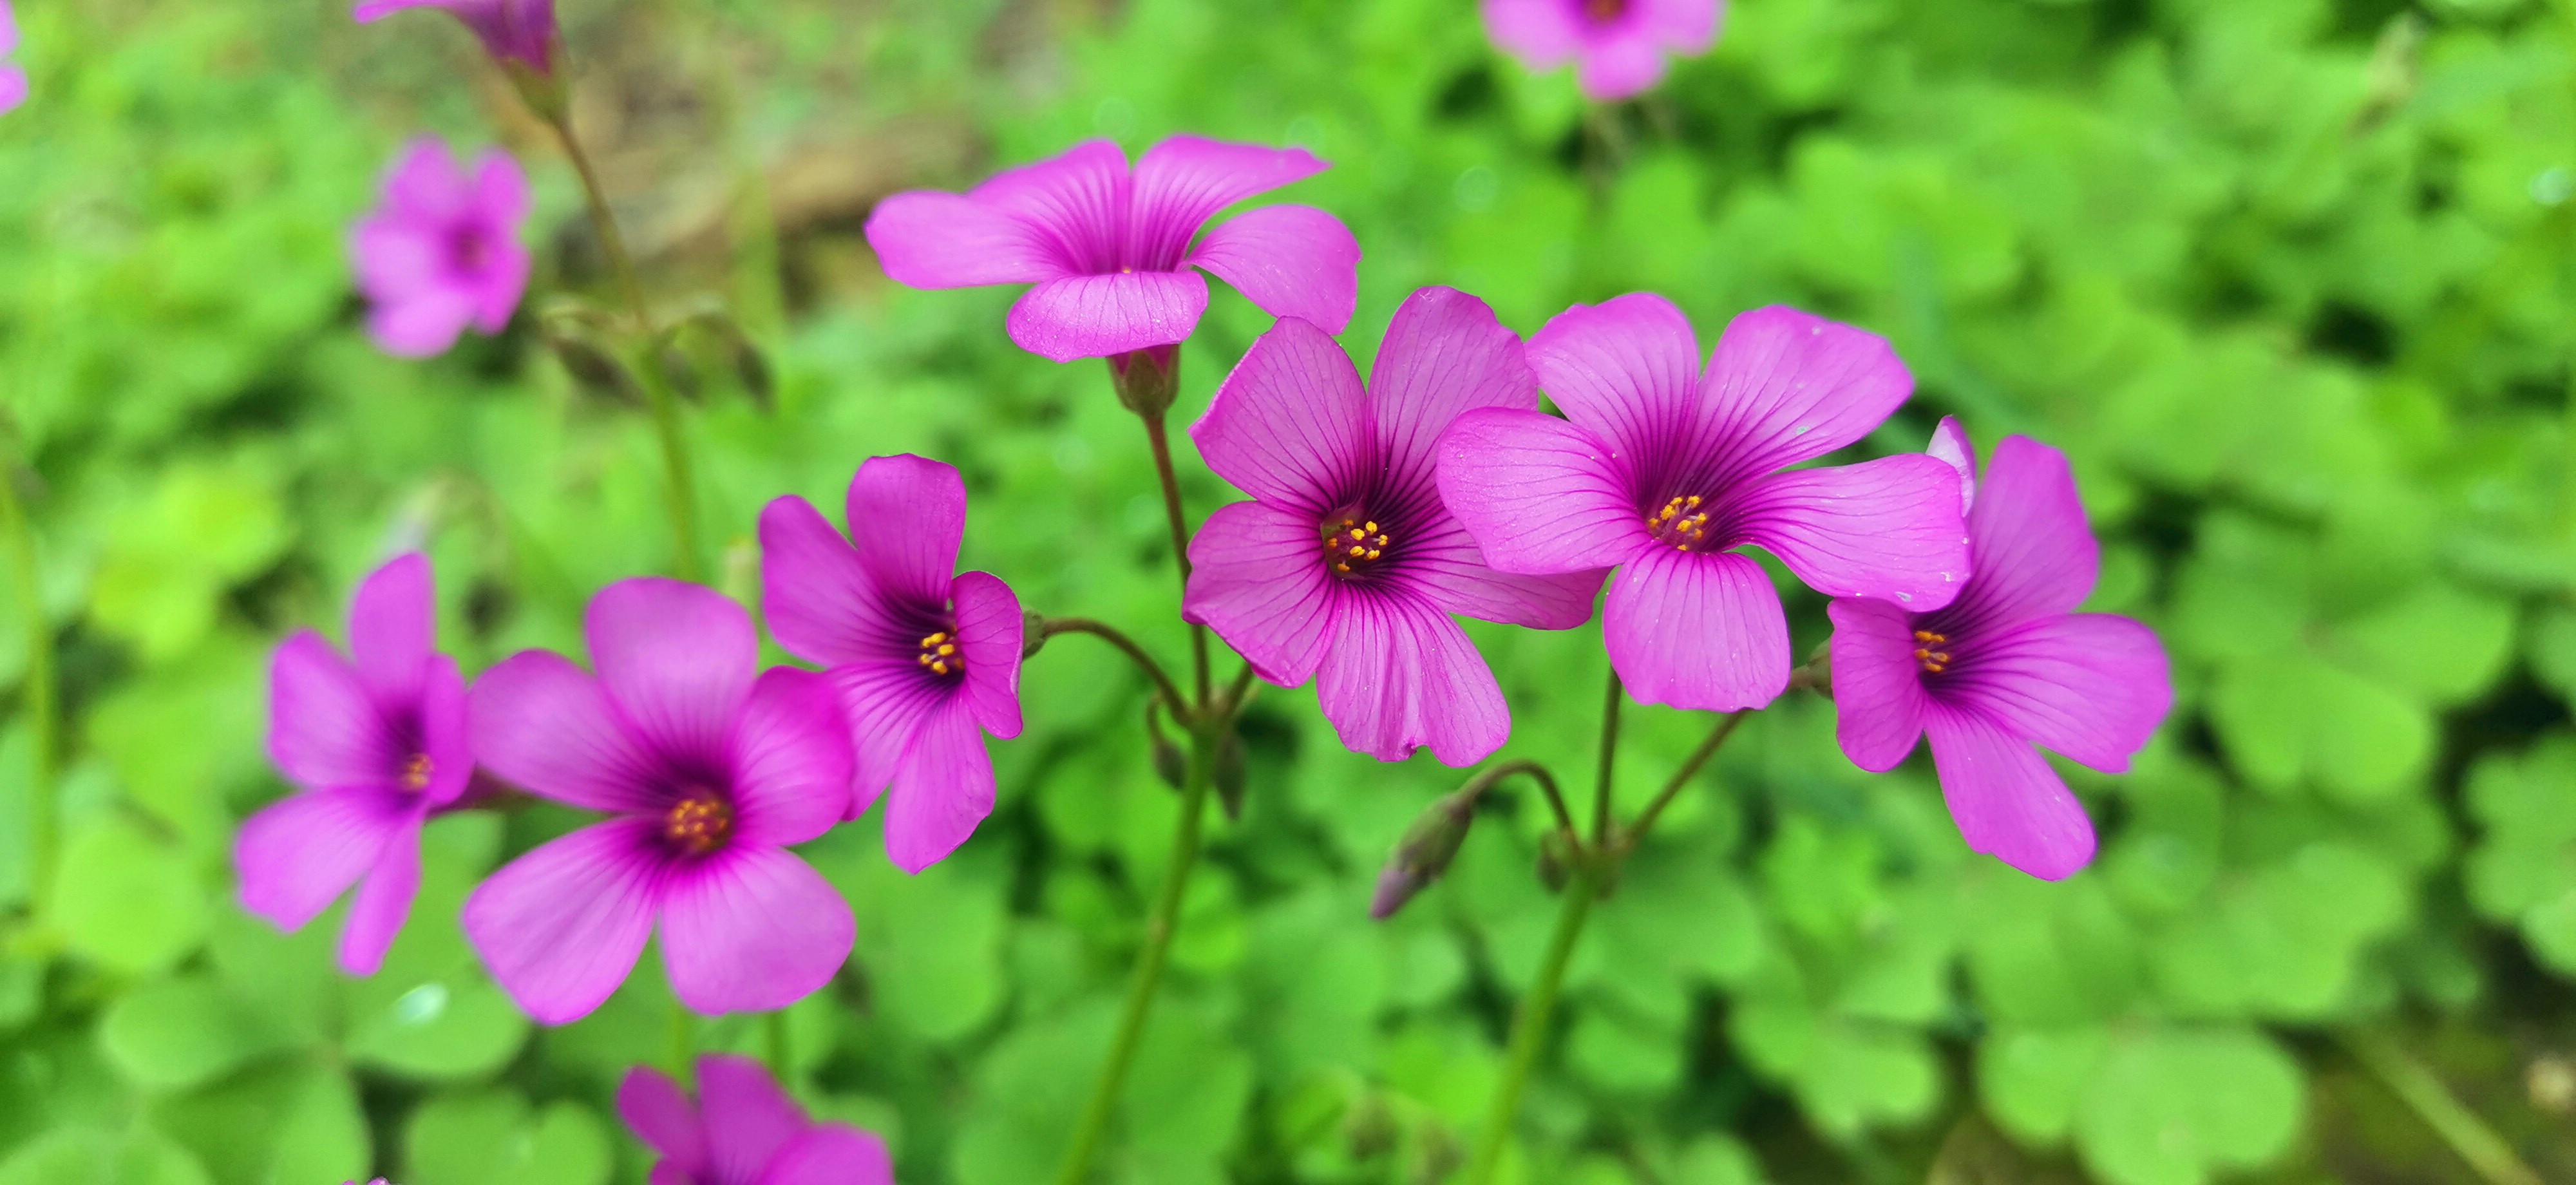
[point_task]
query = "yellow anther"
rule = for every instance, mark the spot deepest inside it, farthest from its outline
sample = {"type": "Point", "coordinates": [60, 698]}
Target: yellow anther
{"type": "Point", "coordinates": [1357, 551]}
{"type": "Point", "coordinates": [934, 639]}
{"type": "Point", "coordinates": [1928, 636]}
{"type": "Point", "coordinates": [1371, 528]}
{"type": "Point", "coordinates": [415, 775]}
{"type": "Point", "coordinates": [945, 651]}
{"type": "Point", "coordinates": [1374, 554]}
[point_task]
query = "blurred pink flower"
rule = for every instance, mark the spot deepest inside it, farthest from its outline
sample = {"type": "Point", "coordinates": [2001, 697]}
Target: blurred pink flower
{"type": "Point", "coordinates": [442, 251]}
{"type": "Point", "coordinates": [13, 78]}
{"type": "Point", "coordinates": [743, 1130]}
{"type": "Point", "coordinates": [1619, 47]}
{"type": "Point", "coordinates": [2008, 664]}
{"type": "Point", "coordinates": [378, 746]}
{"type": "Point", "coordinates": [711, 774]}
{"type": "Point", "coordinates": [1111, 250]}
{"type": "Point", "coordinates": [519, 31]}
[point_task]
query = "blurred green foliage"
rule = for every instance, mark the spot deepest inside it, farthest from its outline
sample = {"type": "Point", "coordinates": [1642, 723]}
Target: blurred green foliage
{"type": "Point", "coordinates": [2289, 279]}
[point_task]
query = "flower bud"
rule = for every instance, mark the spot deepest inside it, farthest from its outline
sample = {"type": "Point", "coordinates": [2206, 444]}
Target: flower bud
{"type": "Point", "coordinates": [1557, 852]}
{"type": "Point", "coordinates": [1233, 766]}
{"type": "Point", "coordinates": [1147, 379]}
{"type": "Point", "coordinates": [1424, 853]}
{"type": "Point", "coordinates": [1033, 634]}
{"type": "Point", "coordinates": [1170, 764]}
{"type": "Point", "coordinates": [1818, 675]}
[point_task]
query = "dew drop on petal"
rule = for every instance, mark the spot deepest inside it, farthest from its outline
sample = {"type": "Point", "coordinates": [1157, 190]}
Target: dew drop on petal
{"type": "Point", "coordinates": [1908, 598]}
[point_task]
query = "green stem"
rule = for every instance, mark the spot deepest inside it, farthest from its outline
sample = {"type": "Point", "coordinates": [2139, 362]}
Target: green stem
{"type": "Point", "coordinates": [1180, 523]}
{"type": "Point", "coordinates": [1171, 692]}
{"type": "Point", "coordinates": [684, 1043]}
{"type": "Point", "coordinates": [2423, 1093]}
{"type": "Point", "coordinates": [773, 1030]}
{"type": "Point", "coordinates": [1609, 757]}
{"type": "Point", "coordinates": [1530, 1023]}
{"type": "Point", "coordinates": [1726, 727]}
{"type": "Point", "coordinates": [679, 492]}
{"type": "Point", "coordinates": [43, 812]}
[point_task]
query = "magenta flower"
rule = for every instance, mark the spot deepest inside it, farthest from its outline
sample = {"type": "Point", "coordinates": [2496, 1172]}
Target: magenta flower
{"type": "Point", "coordinates": [743, 1131]}
{"type": "Point", "coordinates": [2008, 665]}
{"type": "Point", "coordinates": [1346, 566]}
{"type": "Point", "coordinates": [378, 745]}
{"type": "Point", "coordinates": [926, 659]}
{"type": "Point", "coordinates": [512, 31]}
{"type": "Point", "coordinates": [1618, 46]}
{"type": "Point", "coordinates": [710, 772]}
{"type": "Point", "coordinates": [1664, 471]}
{"type": "Point", "coordinates": [442, 252]}
{"type": "Point", "coordinates": [1111, 251]}
{"type": "Point", "coordinates": [13, 78]}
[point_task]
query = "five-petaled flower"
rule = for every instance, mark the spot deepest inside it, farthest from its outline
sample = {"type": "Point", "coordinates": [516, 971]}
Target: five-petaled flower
{"type": "Point", "coordinates": [2008, 665]}
{"type": "Point", "coordinates": [1665, 471]}
{"type": "Point", "coordinates": [378, 744]}
{"type": "Point", "coordinates": [926, 659]}
{"type": "Point", "coordinates": [710, 772]}
{"type": "Point", "coordinates": [442, 250]}
{"type": "Point", "coordinates": [1111, 251]}
{"type": "Point", "coordinates": [1347, 566]}
{"type": "Point", "coordinates": [743, 1130]}
{"type": "Point", "coordinates": [13, 78]}
{"type": "Point", "coordinates": [514, 32]}
{"type": "Point", "coordinates": [1618, 46]}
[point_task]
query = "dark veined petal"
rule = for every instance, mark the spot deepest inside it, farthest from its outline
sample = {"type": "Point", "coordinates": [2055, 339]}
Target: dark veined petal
{"type": "Point", "coordinates": [1400, 675]}
{"type": "Point", "coordinates": [1292, 261]}
{"type": "Point", "coordinates": [677, 660]}
{"type": "Point", "coordinates": [1787, 386]}
{"type": "Point", "coordinates": [1878, 690]}
{"type": "Point", "coordinates": [750, 1118]}
{"type": "Point", "coordinates": [750, 929]}
{"type": "Point", "coordinates": [943, 789]}
{"type": "Point", "coordinates": [2091, 686]}
{"type": "Point", "coordinates": [1183, 181]}
{"type": "Point", "coordinates": [1888, 528]}
{"type": "Point", "coordinates": [1095, 316]}
{"type": "Point", "coordinates": [1290, 424]}
{"type": "Point", "coordinates": [790, 758]}
{"type": "Point", "coordinates": [2006, 800]}
{"type": "Point", "coordinates": [1257, 578]}
{"type": "Point", "coordinates": [1539, 494]}
{"type": "Point", "coordinates": [1702, 631]}
{"type": "Point", "coordinates": [561, 927]}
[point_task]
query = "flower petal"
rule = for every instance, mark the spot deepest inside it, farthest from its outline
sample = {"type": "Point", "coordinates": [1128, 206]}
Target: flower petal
{"type": "Point", "coordinates": [422, 324]}
{"type": "Point", "coordinates": [324, 730]}
{"type": "Point", "coordinates": [1076, 202]}
{"type": "Point", "coordinates": [661, 1115]}
{"type": "Point", "coordinates": [2091, 686]}
{"type": "Point", "coordinates": [676, 658]}
{"type": "Point", "coordinates": [907, 515]}
{"type": "Point", "coordinates": [1445, 354]}
{"type": "Point", "coordinates": [2034, 552]}
{"type": "Point", "coordinates": [1541, 33]}
{"type": "Point", "coordinates": [1290, 424]}
{"type": "Point", "coordinates": [390, 624]}
{"type": "Point", "coordinates": [1628, 370]}
{"type": "Point", "coordinates": [543, 724]}
{"type": "Point", "coordinates": [1683, 26]}
{"type": "Point", "coordinates": [989, 629]}
{"type": "Point", "coordinates": [926, 239]}
{"type": "Point", "coordinates": [1442, 562]}
{"type": "Point", "coordinates": [749, 1118]}
{"type": "Point", "coordinates": [1888, 528]}
{"type": "Point", "coordinates": [1878, 690]}
{"type": "Point", "coordinates": [1787, 386]}
{"type": "Point", "coordinates": [298, 854]}
{"type": "Point", "coordinates": [750, 929]}
{"type": "Point", "coordinates": [1095, 316]}
{"type": "Point", "coordinates": [496, 289]}
{"type": "Point", "coordinates": [1400, 675]}
{"type": "Point", "coordinates": [1257, 578]}
{"type": "Point", "coordinates": [384, 901]}
{"type": "Point", "coordinates": [815, 592]}
{"type": "Point", "coordinates": [832, 1155]}
{"type": "Point", "coordinates": [1183, 181]}
{"type": "Point", "coordinates": [1291, 261]}
{"type": "Point", "coordinates": [1623, 65]}
{"type": "Point", "coordinates": [790, 757]}
{"type": "Point", "coordinates": [1950, 444]}
{"type": "Point", "coordinates": [445, 734]}
{"type": "Point", "coordinates": [561, 926]}
{"type": "Point", "coordinates": [426, 183]}
{"type": "Point", "coordinates": [1697, 631]}
{"type": "Point", "coordinates": [2006, 800]}
{"type": "Point", "coordinates": [397, 257]}
{"type": "Point", "coordinates": [13, 88]}
{"type": "Point", "coordinates": [942, 789]}
{"type": "Point", "coordinates": [1540, 495]}
{"type": "Point", "coordinates": [885, 702]}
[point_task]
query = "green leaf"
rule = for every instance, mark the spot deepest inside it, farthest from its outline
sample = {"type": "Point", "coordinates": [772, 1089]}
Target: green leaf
{"type": "Point", "coordinates": [127, 899]}
{"type": "Point", "coordinates": [2032, 1079]}
{"type": "Point", "coordinates": [2172, 1107]}
{"type": "Point", "coordinates": [87, 1156]}
{"type": "Point", "coordinates": [459, 1027]}
{"type": "Point", "coordinates": [180, 1032]}
{"type": "Point", "coordinates": [2438, 642]}
{"type": "Point", "coordinates": [492, 1138]}
{"type": "Point", "coordinates": [324, 1135]}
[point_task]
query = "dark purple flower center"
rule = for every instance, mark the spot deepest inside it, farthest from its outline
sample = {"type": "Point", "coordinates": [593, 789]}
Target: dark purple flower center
{"type": "Point", "coordinates": [1933, 651]}
{"type": "Point", "coordinates": [1682, 524]}
{"type": "Point", "coordinates": [1602, 12]}
{"type": "Point", "coordinates": [1354, 544]}
{"type": "Point", "coordinates": [469, 250]}
{"type": "Point", "coordinates": [940, 655]}
{"type": "Point", "coordinates": [416, 772]}
{"type": "Point", "coordinates": [699, 823]}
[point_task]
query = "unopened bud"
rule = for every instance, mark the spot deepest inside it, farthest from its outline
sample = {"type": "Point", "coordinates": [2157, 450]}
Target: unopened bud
{"type": "Point", "coordinates": [1170, 764]}
{"type": "Point", "coordinates": [1557, 852]}
{"type": "Point", "coordinates": [1818, 675]}
{"type": "Point", "coordinates": [1033, 634]}
{"type": "Point", "coordinates": [1423, 854]}
{"type": "Point", "coordinates": [1233, 767]}
{"type": "Point", "coordinates": [1147, 379]}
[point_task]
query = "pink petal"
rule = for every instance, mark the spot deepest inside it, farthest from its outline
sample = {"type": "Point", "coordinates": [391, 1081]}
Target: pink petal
{"type": "Point", "coordinates": [989, 629]}
{"type": "Point", "coordinates": [1787, 386]}
{"type": "Point", "coordinates": [2006, 800]}
{"type": "Point", "coordinates": [1183, 181]}
{"type": "Point", "coordinates": [421, 325]}
{"type": "Point", "coordinates": [1683, 26]}
{"type": "Point", "coordinates": [497, 289]}
{"type": "Point", "coordinates": [561, 926]}
{"type": "Point", "coordinates": [298, 854]}
{"type": "Point", "coordinates": [384, 901]}
{"type": "Point", "coordinates": [1540, 495]}
{"type": "Point", "coordinates": [445, 734]}
{"type": "Point", "coordinates": [749, 1119]}
{"type": "Point", "coordinates": [390, 624]}
{"type": "Point", "coordinates": [1444, 564]}
{"type": "Point", "coordinates": [907, 514]}
{"type": "Point", "coordinates": [926, 239]}
{"type": "Point", "coordinates": [1950, 444]}
{"type": "Point", "coordinates": [397, 258]}
{"type": "Point", "coordinates": [676, 658]}
{"type": "Point", "coordinates": [501, 193]}
{"type": "Point", "coordinates": [13, 88]}
{"type": "Point", "coordinates": [541, 723]}
{"type": "Point", "coordinates": [1541, 33]}
{"type": "Point", "coordinates": [832, 1155]}
{"type": "Point", "coordinates": [885, 702]}
{"type": "Point", "coordinates": [1399, 675]}
{"type": "Point", "coordinates": [1257, 578]}
{"type": "Point", "coordinates": [2034, 553]}
{"type": "Point", "coordinates": [426, 184]}
{"type": "Point", "coordinates": [1878, 689]}
{"type": "Point", "coordinates": [1620, 66]}
{"type": "Point", "coordinates": [1290, 425]}
{"type": "Point", "coordinates": [661, 1115]}
{"type": "Point", "coordinates": [1697, 631]}
{"type": "Point", "coordinates": [8, 29]}
{"type": "Point", "coordinates": [1076, 202]}
{"type": "Point", "coordinates": [750, 929]}
{"type": "Point", "coordinates": [942, 789]}
{"type": "Point", "coordinates": [1628, 370]}
{"type": "Point", "coordinates": [790, 756]}
{"type": "Point", "coordinates": [324, 730]}
{"type": "Point", "coordinates": [1887, 528]}
{"type": "Point", "coordinates": [1095, 316]}
{"type": "Point", "coordinates": [1445, 354]}
{"type": "Point", "coordinates": [1291, 261]}
{"type": "Point", "coordinates": [815, 591]}
{"type": "Point", "coordinates": [2089, 685]}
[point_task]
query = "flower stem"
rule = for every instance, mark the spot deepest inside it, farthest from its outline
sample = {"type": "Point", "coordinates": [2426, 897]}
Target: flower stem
{"type": "Point", "coordinates": [684, 1042]}
{"type": "Point", "coordinates": [1172, 697]}
{"type": "Point", "coordinates": [679, 492]}
{"type": "Point", "coordinates": [1609, 757]}
{"type": "Point", "coordinates": [773, 1031]}
{"type": "Point", "coordinates": [1162, 444]}
{"type": "Point", "coordinates": [42, 810]}
{"type": "Point", "coordinates": [1726, 726]}
{"type": "Point", "coordinates": [2485, 1151]}
{"type": "Point", "coordinates": [1530, 1022]}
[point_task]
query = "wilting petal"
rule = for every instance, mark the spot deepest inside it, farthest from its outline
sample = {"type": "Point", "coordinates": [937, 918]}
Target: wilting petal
{"type": "Point", "coordinates": [2088, 685]}
{"type": "Point", "coordinates": [1077, 201]}
{"type": "Point", "coordinates": [1541, 33]}
{"type": "Point", "coordinates": [2034, 553]}
{"type": "Point", "coordinates": [1628, 370]}
{"type": "Point", "coordinates": [1400, 675]}
{"type": "Point", "coordinates": [751, 929]}
{"type": "Point", "coordinates": [943, 788]}
{"type": "Point", "coordinates": [1095, 316]}
{"type": "Point", "coordinates": [676, 658]}
{"type": "Point", "coordinates": [832, 1155]}
{"type": "Point", "coordinates": [1183, 181]}
{"type": "Point", "coordinates": [1621, 65]}
{"type": "Point", "coordinates": [323, 728]}
{"type": "Point", "coordinates": [815, 593]}
{"type": "Point", "coordinates": [661, 1115]}
{"type": "Point", "coordinates": [790, 755]}
{"type": "Point", "coordinates": [989, 629]}
{"type": "Point", "coordinates": [1787, 386]}
{"type": "Point", "coordinates": [390, 623]}
{"type": "Point", "coordinates": [1540, 495]}
{"type": "Point", "coordinates": [926, 239]}
{"type": "Point", "coordinates": [885, 701]}
{"type": "Point", "coordinates": [541, 723]}
{"type": "Point", "coordinates": [906, 515]}
{"type": "Point", "coordinates": [1292, 261]}
{"type": "Point", "coordinates": [1257, 578]}
{"type": "Point", "coordinates": [298, 854]}
{"type": "Point", "coordinates": [2006, 800]}
{"type": "Point", "coordinates": [1442, 563]}
{"type": "Point", "coordinates": [1696, 631]}
{"type": "Point", "coordinates": [1878, 691]}
{"type": "Point", "coordinates": [384, 901]}
{"type": "Point", "coordinates": [561, 926]}
{"type": "Point", "coordinates": [1290, 425]}
{"type": "Point", "coordinates": [1444, 355]}
{"type": "Point", "coordinates": [749, 1118]}
{"type": "Point", "coordinates": [1951, 446]}
{"type": "Point", "coordinates": [1888, 528]}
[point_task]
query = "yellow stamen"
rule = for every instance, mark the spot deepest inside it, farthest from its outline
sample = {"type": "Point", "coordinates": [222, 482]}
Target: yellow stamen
{"type": "Point", "coordinates": [415, 775]}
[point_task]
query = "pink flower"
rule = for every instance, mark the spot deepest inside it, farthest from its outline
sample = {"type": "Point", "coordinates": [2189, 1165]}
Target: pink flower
{"type": "Point", "coordinates": [1110, 251]}
{"type": "Point", "coordinates": [926, 660]}
{"type": "Point", "coordinates": [512, 31]}
{"type": "Point", "coordinates": [378, 746]}
{"type": "Point", "coordinates": [1664, 471]}
{"type": "Point", "coordinates": [13, 79]}
{"type": "Point", "coordinates": [1346, 566]}
{"type": "Point", "coordinates": [711, 774]}
{"type": "Point", "coordinates": [2006, 666]}
{"type": "Point", "coordinates": [744, 1131]}
{"type": "Point", "coordinates": [1618, 46]}
{"type": "Point", "coordinates": [442, 252]}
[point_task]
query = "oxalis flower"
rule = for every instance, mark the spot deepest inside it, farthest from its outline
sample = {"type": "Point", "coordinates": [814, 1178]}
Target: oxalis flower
{"type": "Point", "coordinates": [378, 745]}
{"type": "Point", "coordinates": [13, 78]}
{"type": "Point", "coordinates": [2006, 666]}
{"type": "Point", "coordinates": [1112, 252]}
{"type": "Point", "coordinates": [926, 659]}
{"type": "Point", "coordinates": [710, 773]}
{"type": "Point", "coordinates": [520, 32]}
{"type": "Point", "coordinates": [442, 250]}
{"type": "Point", "coordinates": [1663, 471]}
{"type": "Point", "coordinates": [1618, 47]}
{"type": "Point", "coordinates": [743, 1130]}
{"type": "Point", "coordinates": [1346, 566]}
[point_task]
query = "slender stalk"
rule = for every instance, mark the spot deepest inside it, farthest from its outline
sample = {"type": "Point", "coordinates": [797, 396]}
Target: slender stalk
{"type": "Point", "coordinates": [43, 812]}
{"type": "Point", "coordinates": [2423, 1093]}
{"type": "Point", "coordinates": [684, 1043]}
{"type": "Point", "coordinates": [1530, 1023]}
{"type": "Point", "coordinates": [1609, 757]}
{"type": "Point", "coordinates": [1172, 697]}
{"type": "Point", "coordinates": [1162, 444]}
{"type": "Point", "coordinates": [1238, 693]}
{"type": "Point", "coordinates": [773, 1031]}
{"type": "Point", "coordinates": [1476, 787]}
{"type": "Point", "coordinates": [1726, 727]}
{"type": "Point", "coordinates": [679, 491]}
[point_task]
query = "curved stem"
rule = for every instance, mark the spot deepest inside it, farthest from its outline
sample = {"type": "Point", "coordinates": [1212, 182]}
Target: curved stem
{"type": "Point", "coordinates": [1726, 727]}
{"type": "Point", "coordinates": [1530, 1023]}
{"type": "Point", "coordinates": [1144, 662]}
{"type": "Point", "coordinates": [679, 492]}
{"type": "Point", "coordinates": [1609, 757]}
{"type": "Point", "coordinates": [1237, 694]}
{"type": "Point", "coordinates": [1180, 523]}
{"type": "Point", "coordinates": [27, 585]}
{"type": "Point", "coordinates": [2470, 1137]}
{"type": "Point", "coordinates": [1476, 787]}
